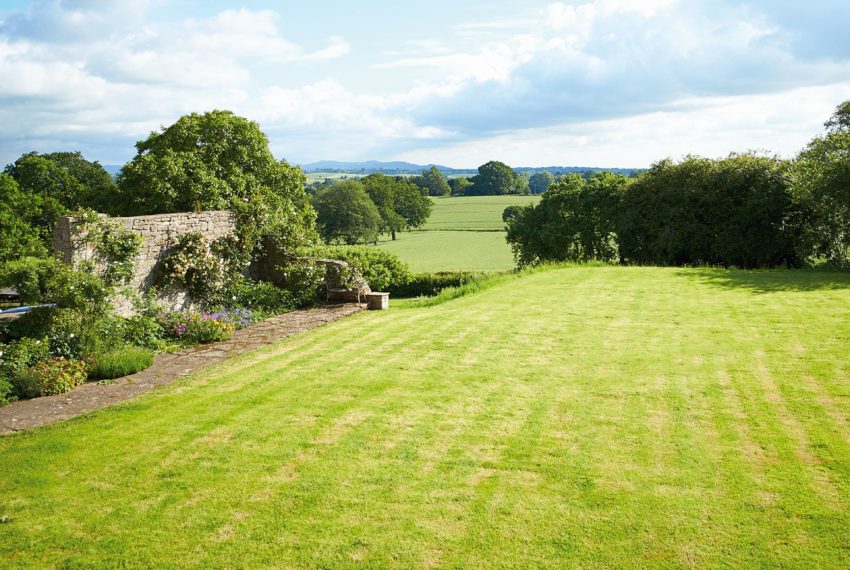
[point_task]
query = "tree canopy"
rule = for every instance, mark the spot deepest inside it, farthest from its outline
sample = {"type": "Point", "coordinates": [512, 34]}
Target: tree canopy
{"type": "Point", "coordinates": [539, 182]}
{"type": "Point", "coordinates": [460, 185]}
{"type": "Point", "coordinates": [822, 188]}
{"type": "Point", "coordinates": [494, 178]}
{"type": "Point", "coordinates": [19, 235]}
{"type": "Point", "coordinates": [38, 188]}
{"type": "Point", "coordinates": [400, 203]}
{"type": "Point", "coordinates": [218, 161]}
{"type": "Point", "coordinates": [433, 182]}
{"type": "Point", "coordinates": [346, 214]}
{"type": "Point", "coordinates": [576, 220]}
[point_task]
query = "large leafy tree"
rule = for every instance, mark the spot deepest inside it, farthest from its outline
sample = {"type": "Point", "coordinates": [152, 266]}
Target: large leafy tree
{"type": "Point", "coordinates": [219, 161]}
{"type": "Point", "coordinates": [576, 220]}
{"type": "Point", "coordinates": [19, 237]}
{"type": "Point", "coordinates": [399, 202]}
{"type": "Point", "coordinates": [821, 183]}
{"type": "Point", "coordinates": [48, 186]}
{"type": "Point", "coordinates": [433, 182]}
{"type": "Point", "coordinates": [539, 182]}
{"type": "Point", "coordinates": [346, 214]}
{"type": "Point", "coordinates": [494, 178]}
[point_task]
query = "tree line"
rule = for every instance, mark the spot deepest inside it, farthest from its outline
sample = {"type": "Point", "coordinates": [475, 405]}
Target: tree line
{"type": "Point", "coordinates": [746, 210]}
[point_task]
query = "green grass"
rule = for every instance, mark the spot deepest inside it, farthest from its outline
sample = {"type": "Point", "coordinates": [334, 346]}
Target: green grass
{"type": "Point", "coordinates": [473, 213]}
{"type": "Point", "coordinates": [120, 362]}
{"type": "Point", "coordinates": [581, 417]}
{"type": "Point", "coordinates": [427, 252]}
{"type": "Point", "coordinates": [462, 234]}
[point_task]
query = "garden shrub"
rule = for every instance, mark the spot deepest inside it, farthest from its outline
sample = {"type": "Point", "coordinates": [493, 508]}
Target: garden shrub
{"type": "Point", "coordinates": [196, 328]}
{"type": "Point", "coordinates": [49, 377]}
{"type": "Point", "coordinates": [49, 281]}
{"type": "Point", "coordinates": [381, 269]}
{"type": "Point", "coordinates": [20, 354]}
{"type": "Point", "coordinates": [120, 362]}
{"type": "Point", "coordinates": [7, 392]}
{"type": "Point", "coordinates": [70, 333]}
{"type": "Point", "coordinates": [261, 296]}
{"type": "Point", "coordinates": [429, 284]}
{"type": "Point", "coordinates": [144, 332]}
{"type": "Point", "coordinates": [302, 278]}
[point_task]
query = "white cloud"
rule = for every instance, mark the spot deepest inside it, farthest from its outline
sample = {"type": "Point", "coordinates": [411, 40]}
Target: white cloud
{"type": "Point", "coordinates": [610, 82]}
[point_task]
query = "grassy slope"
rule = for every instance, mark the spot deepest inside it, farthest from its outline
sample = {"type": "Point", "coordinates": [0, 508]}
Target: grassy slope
{"type": "Point", "coordinates": [618, 417]}
{"type": "Point", "coordinates": [462, 234]}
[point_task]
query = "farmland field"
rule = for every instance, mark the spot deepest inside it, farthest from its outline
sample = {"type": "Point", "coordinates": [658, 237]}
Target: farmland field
{"type": "Point", "coordinates": [576, 417]}
{"type": "Point", "coordinates": [462, 234]}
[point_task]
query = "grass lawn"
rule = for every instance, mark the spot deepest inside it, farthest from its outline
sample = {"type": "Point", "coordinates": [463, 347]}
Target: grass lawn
{"type": "Point", "coordinates": [582, 417]}
{"type": "Point", "coordinates": [452, 251]}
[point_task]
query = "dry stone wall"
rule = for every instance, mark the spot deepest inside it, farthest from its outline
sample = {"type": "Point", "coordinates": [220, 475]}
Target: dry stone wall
{"type": "Point", "coordinates": [159, 232]}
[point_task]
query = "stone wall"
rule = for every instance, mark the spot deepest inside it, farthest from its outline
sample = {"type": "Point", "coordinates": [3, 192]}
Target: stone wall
{"type": "Point", "coordinates": [159, 233]}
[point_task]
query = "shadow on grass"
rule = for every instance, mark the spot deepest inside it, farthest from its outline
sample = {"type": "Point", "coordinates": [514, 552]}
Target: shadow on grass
{"type": "Point", "coordinates": [771, 280]}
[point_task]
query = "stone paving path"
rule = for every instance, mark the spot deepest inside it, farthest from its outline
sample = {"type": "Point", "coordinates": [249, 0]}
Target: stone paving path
{"type": "Point", "coordinates": [168, 367]}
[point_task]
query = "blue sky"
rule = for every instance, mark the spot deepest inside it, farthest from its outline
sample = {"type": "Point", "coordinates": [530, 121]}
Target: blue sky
{"type": "Point", "coordinates": [592, 82]}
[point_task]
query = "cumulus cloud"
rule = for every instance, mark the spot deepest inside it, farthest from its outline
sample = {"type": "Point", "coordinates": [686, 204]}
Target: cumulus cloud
{"type": "Point", "coordinates": [611, 58]}
{"type": "Point", "coordinates": [597, 78]}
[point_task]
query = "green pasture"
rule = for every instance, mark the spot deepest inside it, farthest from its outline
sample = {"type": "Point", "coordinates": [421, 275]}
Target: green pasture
{"type": "Point", "coordinates": [463, 234]}
{"type": "Point", "coordinates": [473, 213]}
{"type": "Point", "coordinates": [583, 417]}
{"type": "Point", "coordinates": [428, 252]}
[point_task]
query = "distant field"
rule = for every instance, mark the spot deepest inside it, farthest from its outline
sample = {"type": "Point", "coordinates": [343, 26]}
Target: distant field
{"type": "Point", "coordinates": [462, 234]}
{"type": "Point", "coordinates": [452, 251]}
{"type": "Point", "coordinates": [473, 213]}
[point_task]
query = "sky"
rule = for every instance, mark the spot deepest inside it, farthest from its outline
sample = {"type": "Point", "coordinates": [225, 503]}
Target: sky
{"type": "Point", "coordinates": [609, 83]}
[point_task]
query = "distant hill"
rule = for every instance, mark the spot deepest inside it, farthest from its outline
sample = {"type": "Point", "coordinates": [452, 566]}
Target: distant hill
{"type": "Point", "coordinates": [400, 167]}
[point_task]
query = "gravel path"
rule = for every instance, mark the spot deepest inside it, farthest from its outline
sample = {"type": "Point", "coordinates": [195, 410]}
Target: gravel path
{"type": "Point", "coordinates": [28, 414]}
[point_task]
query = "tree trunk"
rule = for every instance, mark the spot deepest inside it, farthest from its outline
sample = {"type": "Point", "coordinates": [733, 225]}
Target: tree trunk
{"type": "Point", "coordinates": [392, 232]}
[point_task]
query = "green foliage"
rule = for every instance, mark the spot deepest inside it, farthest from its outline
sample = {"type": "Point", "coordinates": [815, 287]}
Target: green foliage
{"type": "Point", "coordinates": [400, 204]}
{"type": "Point", "coordinates": [51, 281]}
{"type": "Point", "coordinates": [262, 296]}
{"type": "Point", "coordinates": [729, 212]}
{"type": "Point", "coordinates": [115, 247]}
{"type": "Point", "coordinates": [7, 392]}
{"type": "Point", "coordinates": [495, 178]}
{"type": "Point", "coordinates": [205, 270]}
{"type": "Point", "coordinates": [50, 377]}
{"type": "Point", "coordinates": [143, 331]}
{"type": "Point", "coordinates": [346, 214]}
{"type": "Point", "coordinates": [195, 328]}
{"type": "Point", "coordinates": [539, 182]}
{"type": "Point", "coordinates": [120, 362]}
{"type": "Point", "coordinates": [49, 186]}
{"type": "Point", "coordinates": [18, 236]}
{"type": "Point", "coordinates": [511, 212]}
{"type": "Point", "coordinates": [15, 358]}
{"type": "Point", "coordinates": [219, 161]}
{"type": "Point", "coordinates": [821, 187]}
{"type": "Point", "coordinates": [381, 269]}
{"type": "Point", "coordinates": [433, 182]}
{"type": "Point", "coordinates": [576, 220]}
{"type": "Point", "coordinates": [430, 284]}
{"type": "Point", "coordinates": [302, 278]}
{"type": "Point", "coordinates": [460, 185]}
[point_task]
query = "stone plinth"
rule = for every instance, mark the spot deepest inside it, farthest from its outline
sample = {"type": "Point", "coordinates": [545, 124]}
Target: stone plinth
{"type": "Point", "coordinates": [377, 301]}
